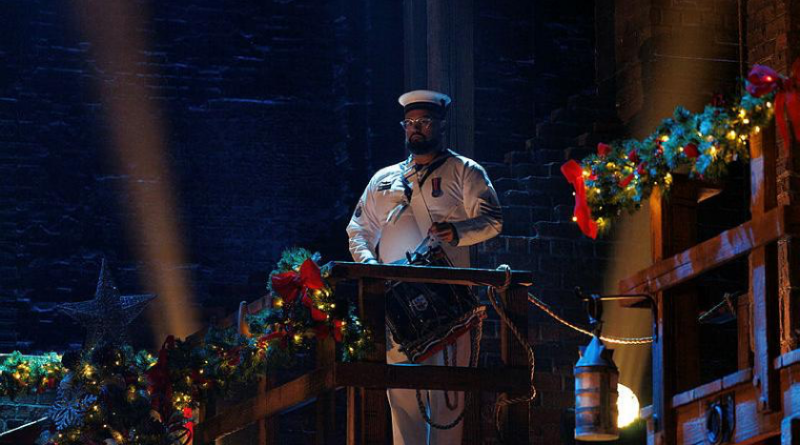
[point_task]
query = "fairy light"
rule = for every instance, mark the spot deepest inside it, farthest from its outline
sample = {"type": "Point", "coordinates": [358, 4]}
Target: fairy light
{"type": "Point", "coordinates": [769, 104]}
{"type": "Point", "coordinates": [680, 149]}
{"type": "Point", "coordinates": [277, 302]}
{"type": "Point", "coordinates": [664, 138]}
{"type": "Point", "coordinates": [742, 112]}
{"type": "Point", "coordinates": [731, 135]}
{"type": "Point", "coordinates": [745, 121]}
{"type": "Point", "coordinates": [757, 129]}
{"type": "Point", "coordinates": [574, 219]}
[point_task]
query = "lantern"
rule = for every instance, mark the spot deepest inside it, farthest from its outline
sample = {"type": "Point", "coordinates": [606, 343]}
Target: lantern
{"type": "Point", "coordinates": [596, 378]}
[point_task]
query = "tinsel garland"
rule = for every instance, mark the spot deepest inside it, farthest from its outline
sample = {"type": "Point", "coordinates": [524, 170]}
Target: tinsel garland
{"type": "Point", "coordinates": [114, 395]}
{"type": "Point", "coordinates": [623, 174]}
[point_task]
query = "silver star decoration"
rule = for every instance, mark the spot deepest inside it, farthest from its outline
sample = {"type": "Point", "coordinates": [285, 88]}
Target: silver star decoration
{"type": "Point", "coordinates": [106, 317]}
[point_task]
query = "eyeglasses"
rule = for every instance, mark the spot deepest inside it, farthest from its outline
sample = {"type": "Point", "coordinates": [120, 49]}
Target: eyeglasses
{"type": "Point", "coordinates": [423, 122]}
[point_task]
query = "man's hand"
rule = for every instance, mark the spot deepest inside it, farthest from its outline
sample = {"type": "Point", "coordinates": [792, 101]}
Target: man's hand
{"type": "Point", "coordinates": [444, 232]}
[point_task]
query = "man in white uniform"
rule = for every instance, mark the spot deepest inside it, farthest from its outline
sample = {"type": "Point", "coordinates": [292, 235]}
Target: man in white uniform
{"type": "Point", "coordinates": [436, 193]}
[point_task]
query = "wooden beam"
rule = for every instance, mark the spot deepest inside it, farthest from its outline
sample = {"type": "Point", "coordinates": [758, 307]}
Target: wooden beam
{"type": "Point", "coordinates": [379, 376]}
{"type": "Point", "coordinates": [714, 252]}
{"type": "Point", "coordinates": [673, 228]}
{"type": "Point", "coordinates": [269, 403]}
{"type": "Point", "coordinates": [427, 274]}
{"type": "Point", "coordinates": [373, 415]}
{"type": "Point", "coordinates": [514, 355]}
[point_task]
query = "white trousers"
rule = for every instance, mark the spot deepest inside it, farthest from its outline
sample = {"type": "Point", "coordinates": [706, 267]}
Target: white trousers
{"type": "Point", "coordinates": [408, 425]}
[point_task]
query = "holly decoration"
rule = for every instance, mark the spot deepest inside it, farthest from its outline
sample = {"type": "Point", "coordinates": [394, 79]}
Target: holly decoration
{"type": "Point", "coordinates": [623, 174]}
{"type": "Point", "coordinates": [108, 393]}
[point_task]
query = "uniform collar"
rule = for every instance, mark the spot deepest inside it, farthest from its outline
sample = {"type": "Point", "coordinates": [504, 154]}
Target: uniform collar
{"type": "Point", "coordinates": [408, 166]}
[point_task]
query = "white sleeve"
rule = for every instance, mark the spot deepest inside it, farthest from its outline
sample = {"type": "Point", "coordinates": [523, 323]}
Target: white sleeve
{"type": "Point", "coordinates": [364, 229]}
{"type": "Point", "coordinates": [484, 215]}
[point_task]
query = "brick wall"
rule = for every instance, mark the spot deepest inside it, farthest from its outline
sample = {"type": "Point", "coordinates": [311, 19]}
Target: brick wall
{"type": "Point", "coordinates": [671, 53]}
{"type": "Point", "coordinates": [535, 106]}
{"type": "Point", "coordinates": [268, 109]}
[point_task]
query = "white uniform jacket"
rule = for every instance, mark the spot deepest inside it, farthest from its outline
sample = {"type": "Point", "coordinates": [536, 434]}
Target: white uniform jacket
{"type": "Point", "coordinates": [401, 202]}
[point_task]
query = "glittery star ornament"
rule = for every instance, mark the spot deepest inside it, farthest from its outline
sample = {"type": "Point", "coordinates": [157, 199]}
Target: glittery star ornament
{"type": "Point", "coordinates": [106, 317]}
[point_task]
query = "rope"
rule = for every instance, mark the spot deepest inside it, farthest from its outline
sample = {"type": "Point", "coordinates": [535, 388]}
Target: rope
{"type": "Point", "coordinates": [502, 399]}
{"type": "Point", "coordinates": [476, 334]}
{"type": "Point", "coordinates": [617, 340]}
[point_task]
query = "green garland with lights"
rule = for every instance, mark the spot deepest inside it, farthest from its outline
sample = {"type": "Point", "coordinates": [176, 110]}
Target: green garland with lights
{"type": "Point", "coordinates": [623, 174]}
{"type": "Point", "coordinates": [115, 395]}
{"type": "Point", "coordinates": [29, 375]}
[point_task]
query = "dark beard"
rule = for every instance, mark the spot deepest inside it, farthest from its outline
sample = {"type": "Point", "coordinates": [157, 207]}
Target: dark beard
{"type": "Point", "coordinates": [422, 146]}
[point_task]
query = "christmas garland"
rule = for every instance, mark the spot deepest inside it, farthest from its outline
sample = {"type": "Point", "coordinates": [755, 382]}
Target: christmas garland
{"type": "Point", "coordinates": [623, 174]}
{"type": "Point", "coordinates": [27, 374]}
{"type": "Point", "coordinates": [113, 395]}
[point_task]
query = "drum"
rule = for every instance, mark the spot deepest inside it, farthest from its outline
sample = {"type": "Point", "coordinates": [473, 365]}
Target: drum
{"type": "Point", "coordinates": [424, 318]}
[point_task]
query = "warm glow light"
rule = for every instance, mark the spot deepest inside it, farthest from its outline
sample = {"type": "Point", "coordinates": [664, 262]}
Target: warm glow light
{"type": "Point", "coordinates": [574, 219]}
{"type": "Point", "coordinates": [757, 129]}
{"type": "Point", "coordinates": [664, 138]}
{"type": "Point", "coordinates": [627, 406]}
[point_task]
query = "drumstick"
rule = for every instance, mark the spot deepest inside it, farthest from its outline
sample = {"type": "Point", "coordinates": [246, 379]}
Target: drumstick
{"type": "Point", "coordinates": [443, 220]}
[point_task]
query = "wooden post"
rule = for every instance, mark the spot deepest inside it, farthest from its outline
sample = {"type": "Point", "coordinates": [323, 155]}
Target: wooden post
{"type": "Point", "coordinates": [763, 273]}
{"type": "Point", "coordinates": [513, 354]}
{"type": "Point", "coordinates": [326, 402]}
{"type": "Point", "coordinates": [673, 229]}
{"type": "Point", "coordinates": [373, 413]}
{"type": "Point", "coordinates": [451, 67]}
{"type": "Point", "coordinates": [268, 428]}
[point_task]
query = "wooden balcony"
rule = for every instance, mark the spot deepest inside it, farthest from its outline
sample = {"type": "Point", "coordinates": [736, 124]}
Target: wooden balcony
{"type": "Point", "coordinates": [365, 383]}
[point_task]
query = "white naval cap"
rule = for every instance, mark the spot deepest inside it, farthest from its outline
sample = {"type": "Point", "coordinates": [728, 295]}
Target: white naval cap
{"type": "Point", "coordinates": [427, 99]}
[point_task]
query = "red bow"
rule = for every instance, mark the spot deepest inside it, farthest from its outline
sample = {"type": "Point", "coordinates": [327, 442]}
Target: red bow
{"type": "Point", "coordinates": [583, 215]}
{"type": "Point", "coordinates": [290, 284]}
{"type": "Point", "coordinates": [764, 80]}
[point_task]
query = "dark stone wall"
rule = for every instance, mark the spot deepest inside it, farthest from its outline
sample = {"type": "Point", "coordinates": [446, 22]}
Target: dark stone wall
{"type": "Point", "coordinates": [535, 106]}
{"type": "Point", "coordinates": [274, 112]}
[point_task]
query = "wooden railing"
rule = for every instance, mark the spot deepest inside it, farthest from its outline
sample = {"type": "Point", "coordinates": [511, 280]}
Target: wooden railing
{"type": "Point", "coordinates": [365, 382]}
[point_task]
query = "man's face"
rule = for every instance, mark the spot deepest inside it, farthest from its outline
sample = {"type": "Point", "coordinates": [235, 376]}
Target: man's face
{"type": "Point", "coordinates": [422, 138]}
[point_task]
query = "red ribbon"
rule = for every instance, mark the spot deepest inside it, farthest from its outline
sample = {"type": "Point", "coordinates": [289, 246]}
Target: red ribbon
{"type": "Point", "coordinates": [763, 80]}
{"type": "Point", "coordinates": [290, 284]}
{"type": "Point", "coordinates": [324, 330]}
{"type": "Point", "coordinates": [316, 314]}
{"type": "Point", "coordinates": [278, 334]}
{"type": "Point", "coordinates": [159, 384]}
{"type": "Point", "coordinates": [583, 215]}
{"type": "Point", "coordinates": [187, 414]}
